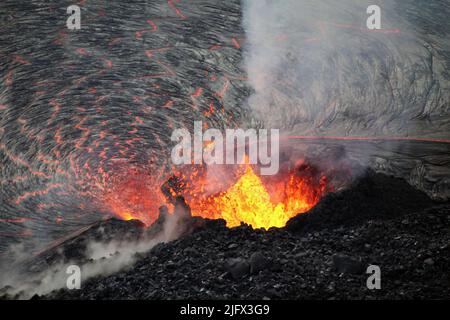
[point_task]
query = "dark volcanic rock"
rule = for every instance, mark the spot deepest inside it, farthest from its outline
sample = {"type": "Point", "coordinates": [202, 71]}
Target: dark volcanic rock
{"type": "Point", "coordinates": [346, 264]}
{"type": "Point", "coordinates": [73, 247]}
{"type": "Point", "coordinates": [258, 262]}
{"type": "Point", "coordinates": [303, 269]}
{"type": "Point", "coordinates": [238, 267]}
{"type": "Point", "coordinates": [411, 250]}
{"type": "Point", "coordinates": [372, 196]}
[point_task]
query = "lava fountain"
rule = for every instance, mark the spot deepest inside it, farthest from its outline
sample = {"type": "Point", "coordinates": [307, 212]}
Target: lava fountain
{"type": "Point", "coordinates": [236, 194]}
{"type": "Point", "coordinates": [262, 202]}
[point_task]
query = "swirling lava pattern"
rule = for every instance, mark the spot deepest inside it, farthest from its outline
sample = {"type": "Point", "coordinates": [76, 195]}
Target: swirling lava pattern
{"type": "Point", "coordinates": [86, 115]}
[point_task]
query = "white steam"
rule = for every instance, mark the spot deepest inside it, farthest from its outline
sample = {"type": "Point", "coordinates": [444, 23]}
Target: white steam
{"type": "Point", "coordinates": [105, 258]}
{"type": "Point", "coordinates": [316, 69]}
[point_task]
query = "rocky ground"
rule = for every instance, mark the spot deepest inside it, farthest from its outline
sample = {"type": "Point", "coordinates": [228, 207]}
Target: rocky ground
{"type": "Point", "coordinates": [322, 254]}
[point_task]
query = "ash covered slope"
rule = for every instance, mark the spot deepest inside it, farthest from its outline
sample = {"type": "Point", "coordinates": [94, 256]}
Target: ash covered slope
{"type": "Point", "coordinates": [411, 248]}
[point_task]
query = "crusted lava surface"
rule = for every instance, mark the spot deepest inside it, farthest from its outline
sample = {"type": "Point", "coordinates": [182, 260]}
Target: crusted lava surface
{"type": "Point", "coordinates": [322, 254]}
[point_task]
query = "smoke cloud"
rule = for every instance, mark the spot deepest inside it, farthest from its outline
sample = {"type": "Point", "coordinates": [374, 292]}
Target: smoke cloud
{"type": "Point", "coordinates": [316, 68]}
{"type": "Point", "coordinates": [103, 258]}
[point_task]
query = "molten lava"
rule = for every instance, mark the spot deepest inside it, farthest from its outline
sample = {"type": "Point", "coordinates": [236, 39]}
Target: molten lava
{"type": "Point", "coordinates": [237, 195]}
{"type": "Point", "coordinates": [250, 201]}
{"type": "Point", "coordinates": [134, 195]}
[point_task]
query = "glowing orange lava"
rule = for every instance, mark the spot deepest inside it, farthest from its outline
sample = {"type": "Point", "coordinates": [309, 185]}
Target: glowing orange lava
{"type": "Point", "coordinates": [134, 196]}
{"type": "Point", "coordinates": [237, 195]}
{"type": "Point", "coordinates": [250, 201]}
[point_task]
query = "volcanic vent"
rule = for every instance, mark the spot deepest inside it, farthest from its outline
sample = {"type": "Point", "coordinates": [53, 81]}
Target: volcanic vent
{"type": "Point", "coordinates": [235, 193]}
{"type": "Point", "coordinates": [246, 197]}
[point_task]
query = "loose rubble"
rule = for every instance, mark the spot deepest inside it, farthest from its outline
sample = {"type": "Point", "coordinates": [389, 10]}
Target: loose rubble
{"type": "Point", "coordinates": [411, 247]}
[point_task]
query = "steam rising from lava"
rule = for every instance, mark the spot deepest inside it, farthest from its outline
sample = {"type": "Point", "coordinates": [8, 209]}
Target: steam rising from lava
{"type": "Point", "coordinates": [317, 70]}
